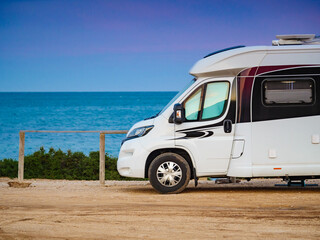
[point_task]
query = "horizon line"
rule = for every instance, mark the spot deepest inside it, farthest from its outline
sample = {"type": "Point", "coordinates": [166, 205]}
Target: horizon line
{"type": "Point", "coordinates": [78, 91]}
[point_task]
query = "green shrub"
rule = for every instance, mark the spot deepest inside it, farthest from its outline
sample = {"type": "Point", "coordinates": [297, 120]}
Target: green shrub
{"type": "Point", "coordinates": [56, 164]}
{"type": "Point", "coordinates": [8, 168]}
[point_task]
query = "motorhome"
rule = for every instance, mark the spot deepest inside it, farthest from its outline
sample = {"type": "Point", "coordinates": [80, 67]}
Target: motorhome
{"type": "Point", "coordinates": [249, 112]}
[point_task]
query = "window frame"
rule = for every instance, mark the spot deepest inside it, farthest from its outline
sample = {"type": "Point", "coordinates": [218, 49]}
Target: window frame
{"type": "Point", "coordinates": [202, 100]}
{"type": "Point", "coordinates": [288, 79]}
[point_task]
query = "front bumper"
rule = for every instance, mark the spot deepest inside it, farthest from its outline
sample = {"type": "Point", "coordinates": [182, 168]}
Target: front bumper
{"type": "Point", "coordinates": [132, 159]}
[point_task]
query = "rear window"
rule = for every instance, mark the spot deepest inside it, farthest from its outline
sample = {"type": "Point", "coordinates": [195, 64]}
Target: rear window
{"type": "Point", "coordinates": [288, 91]}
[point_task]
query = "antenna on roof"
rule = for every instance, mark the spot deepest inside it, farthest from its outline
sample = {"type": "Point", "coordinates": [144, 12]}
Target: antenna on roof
{"type": "Point", "coordinates": [296, 39]}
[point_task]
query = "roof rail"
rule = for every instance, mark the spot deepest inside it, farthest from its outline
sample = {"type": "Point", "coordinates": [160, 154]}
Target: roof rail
{"type": "Point", "coordinates": [296, 39]}
{"type": "Point", "coordinates": [223, 50]}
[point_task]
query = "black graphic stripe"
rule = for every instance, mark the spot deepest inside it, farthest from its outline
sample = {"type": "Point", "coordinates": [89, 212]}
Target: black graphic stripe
{"type": "Point", "coordinates": [196, 134]}
{"type": "Point", "coordinates": [210, 133]}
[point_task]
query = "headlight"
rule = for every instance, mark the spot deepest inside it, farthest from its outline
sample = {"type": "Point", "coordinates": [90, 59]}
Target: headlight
{"type": "Point", "coordinates": [139, 132]}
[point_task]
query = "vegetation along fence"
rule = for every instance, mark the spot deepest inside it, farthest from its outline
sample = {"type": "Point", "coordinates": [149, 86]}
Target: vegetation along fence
{"type": "Point", "coordinates": [101, 153]}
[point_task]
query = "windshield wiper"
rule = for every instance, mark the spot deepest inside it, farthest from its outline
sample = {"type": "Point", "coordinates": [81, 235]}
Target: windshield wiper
{"type": "Point", "coordinates": [153, 116]}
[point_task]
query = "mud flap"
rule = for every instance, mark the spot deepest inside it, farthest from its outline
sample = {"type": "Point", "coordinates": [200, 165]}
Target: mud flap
{"type": "Point", "coordinates": [195, 177]}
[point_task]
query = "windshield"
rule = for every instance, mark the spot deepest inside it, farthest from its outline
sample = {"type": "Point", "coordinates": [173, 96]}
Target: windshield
{"type": "Point", "coordinates": [178, 95]}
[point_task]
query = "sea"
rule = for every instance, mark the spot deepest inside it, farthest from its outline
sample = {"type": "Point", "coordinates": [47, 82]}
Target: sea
{"type": "Point", "coordinates": [63, 111]}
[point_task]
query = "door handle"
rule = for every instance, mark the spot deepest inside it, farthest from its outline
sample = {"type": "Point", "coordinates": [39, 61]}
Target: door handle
{"type": "Point", "coordinates": [227, 126]}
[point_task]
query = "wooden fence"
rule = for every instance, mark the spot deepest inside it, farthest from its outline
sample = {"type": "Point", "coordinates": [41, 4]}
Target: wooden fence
{"type": "Point", "coordinates": [101, 153]}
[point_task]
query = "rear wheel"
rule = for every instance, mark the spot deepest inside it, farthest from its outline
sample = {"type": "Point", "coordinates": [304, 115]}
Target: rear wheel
{"type": "Point", "coordinates": [169, 173]}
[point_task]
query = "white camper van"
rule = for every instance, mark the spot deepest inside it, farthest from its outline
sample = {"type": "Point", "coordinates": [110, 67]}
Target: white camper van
{"type": "Point", "coordinates": [249, 112]}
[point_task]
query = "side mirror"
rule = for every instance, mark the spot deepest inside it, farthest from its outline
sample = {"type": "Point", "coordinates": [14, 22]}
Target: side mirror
{"type": "Point", "coordinates": [179, 114]}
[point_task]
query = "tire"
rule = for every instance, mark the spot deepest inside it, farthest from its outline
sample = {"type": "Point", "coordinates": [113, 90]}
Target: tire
{"type": "Point", "coordinates": [169, 173]}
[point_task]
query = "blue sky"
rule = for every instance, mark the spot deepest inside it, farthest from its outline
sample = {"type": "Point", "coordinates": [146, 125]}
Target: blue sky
{"type": "Point", "coordinates": [132, 45]}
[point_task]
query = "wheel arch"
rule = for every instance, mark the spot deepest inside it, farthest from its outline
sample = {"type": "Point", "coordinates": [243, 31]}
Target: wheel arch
{"type": "Point", "coordinates": [182, 152]}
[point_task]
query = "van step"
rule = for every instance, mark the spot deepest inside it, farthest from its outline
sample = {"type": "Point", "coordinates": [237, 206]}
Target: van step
{"type": "Point", "coordinates": [296, 183]}
{"type": "Point", "coordinates": [225, 180]}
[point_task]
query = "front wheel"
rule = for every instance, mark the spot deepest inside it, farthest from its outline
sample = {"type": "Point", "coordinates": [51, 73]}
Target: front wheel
{"type": "Point", "coordinates": [169, 173]}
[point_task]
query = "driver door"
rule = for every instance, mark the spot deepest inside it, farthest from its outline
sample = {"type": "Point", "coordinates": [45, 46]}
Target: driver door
{"type": "Point", "coordinates": [208, 129]}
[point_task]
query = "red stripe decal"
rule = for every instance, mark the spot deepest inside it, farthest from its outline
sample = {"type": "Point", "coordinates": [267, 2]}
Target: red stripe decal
{"type": "Point", "coordinates": [265, 69]}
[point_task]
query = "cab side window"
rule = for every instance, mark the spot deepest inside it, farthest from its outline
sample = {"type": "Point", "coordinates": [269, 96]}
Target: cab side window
{"type": "Point", "coordinates": [193, 105]}
{"type": "Point", "coordinates": [215, 99]}
{"type": "Point", "coordinates": [207, 102]}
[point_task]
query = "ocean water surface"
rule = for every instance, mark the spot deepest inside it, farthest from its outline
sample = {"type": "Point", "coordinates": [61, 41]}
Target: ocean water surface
{"type": "Point", "coordinates": [72, 111]}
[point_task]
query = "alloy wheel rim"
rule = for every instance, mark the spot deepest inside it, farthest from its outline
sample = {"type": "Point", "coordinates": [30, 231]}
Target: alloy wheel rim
{"type": "Point", "coordinates": [169, 174]}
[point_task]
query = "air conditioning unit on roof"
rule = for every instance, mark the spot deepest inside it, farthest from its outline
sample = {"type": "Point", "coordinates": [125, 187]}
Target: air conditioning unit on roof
{"type": "Point", "coordinates": [296, 39]}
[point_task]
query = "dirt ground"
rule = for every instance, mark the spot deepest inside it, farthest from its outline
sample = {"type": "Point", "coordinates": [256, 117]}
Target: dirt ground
{"type": "Point", "coordinates": [60, 209]}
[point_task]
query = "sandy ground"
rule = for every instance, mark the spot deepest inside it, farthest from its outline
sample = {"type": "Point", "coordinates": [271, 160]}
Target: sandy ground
{"type": "Point", "coordinates": [51, 209]}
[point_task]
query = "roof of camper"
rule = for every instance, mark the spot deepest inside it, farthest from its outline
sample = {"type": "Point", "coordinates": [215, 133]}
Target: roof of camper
{"type": "Point", "coordinates": [229, 62]}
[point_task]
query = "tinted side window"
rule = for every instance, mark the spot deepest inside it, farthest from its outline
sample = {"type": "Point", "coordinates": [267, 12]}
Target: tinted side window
{"type": "Point", "coordinates": [215, 99]}
{"type": "Point", "coordinates": [207, 102]}
{"type": "Point", "coordinates": [193, 105]}
{"type": "Point", "coordinates": [263, 111]}
{"type": "Point", "coordinates": [288, 91]}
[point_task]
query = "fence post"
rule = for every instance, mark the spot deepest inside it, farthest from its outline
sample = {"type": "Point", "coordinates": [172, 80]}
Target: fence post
{"type": "Point", "coordinates": [21, 156]}
{"type": "Point", "coordinates": [102, 159]}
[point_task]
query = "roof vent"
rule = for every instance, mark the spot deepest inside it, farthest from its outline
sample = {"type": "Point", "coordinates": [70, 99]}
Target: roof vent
{"type": "Point", "coordinates": [296, 39]}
